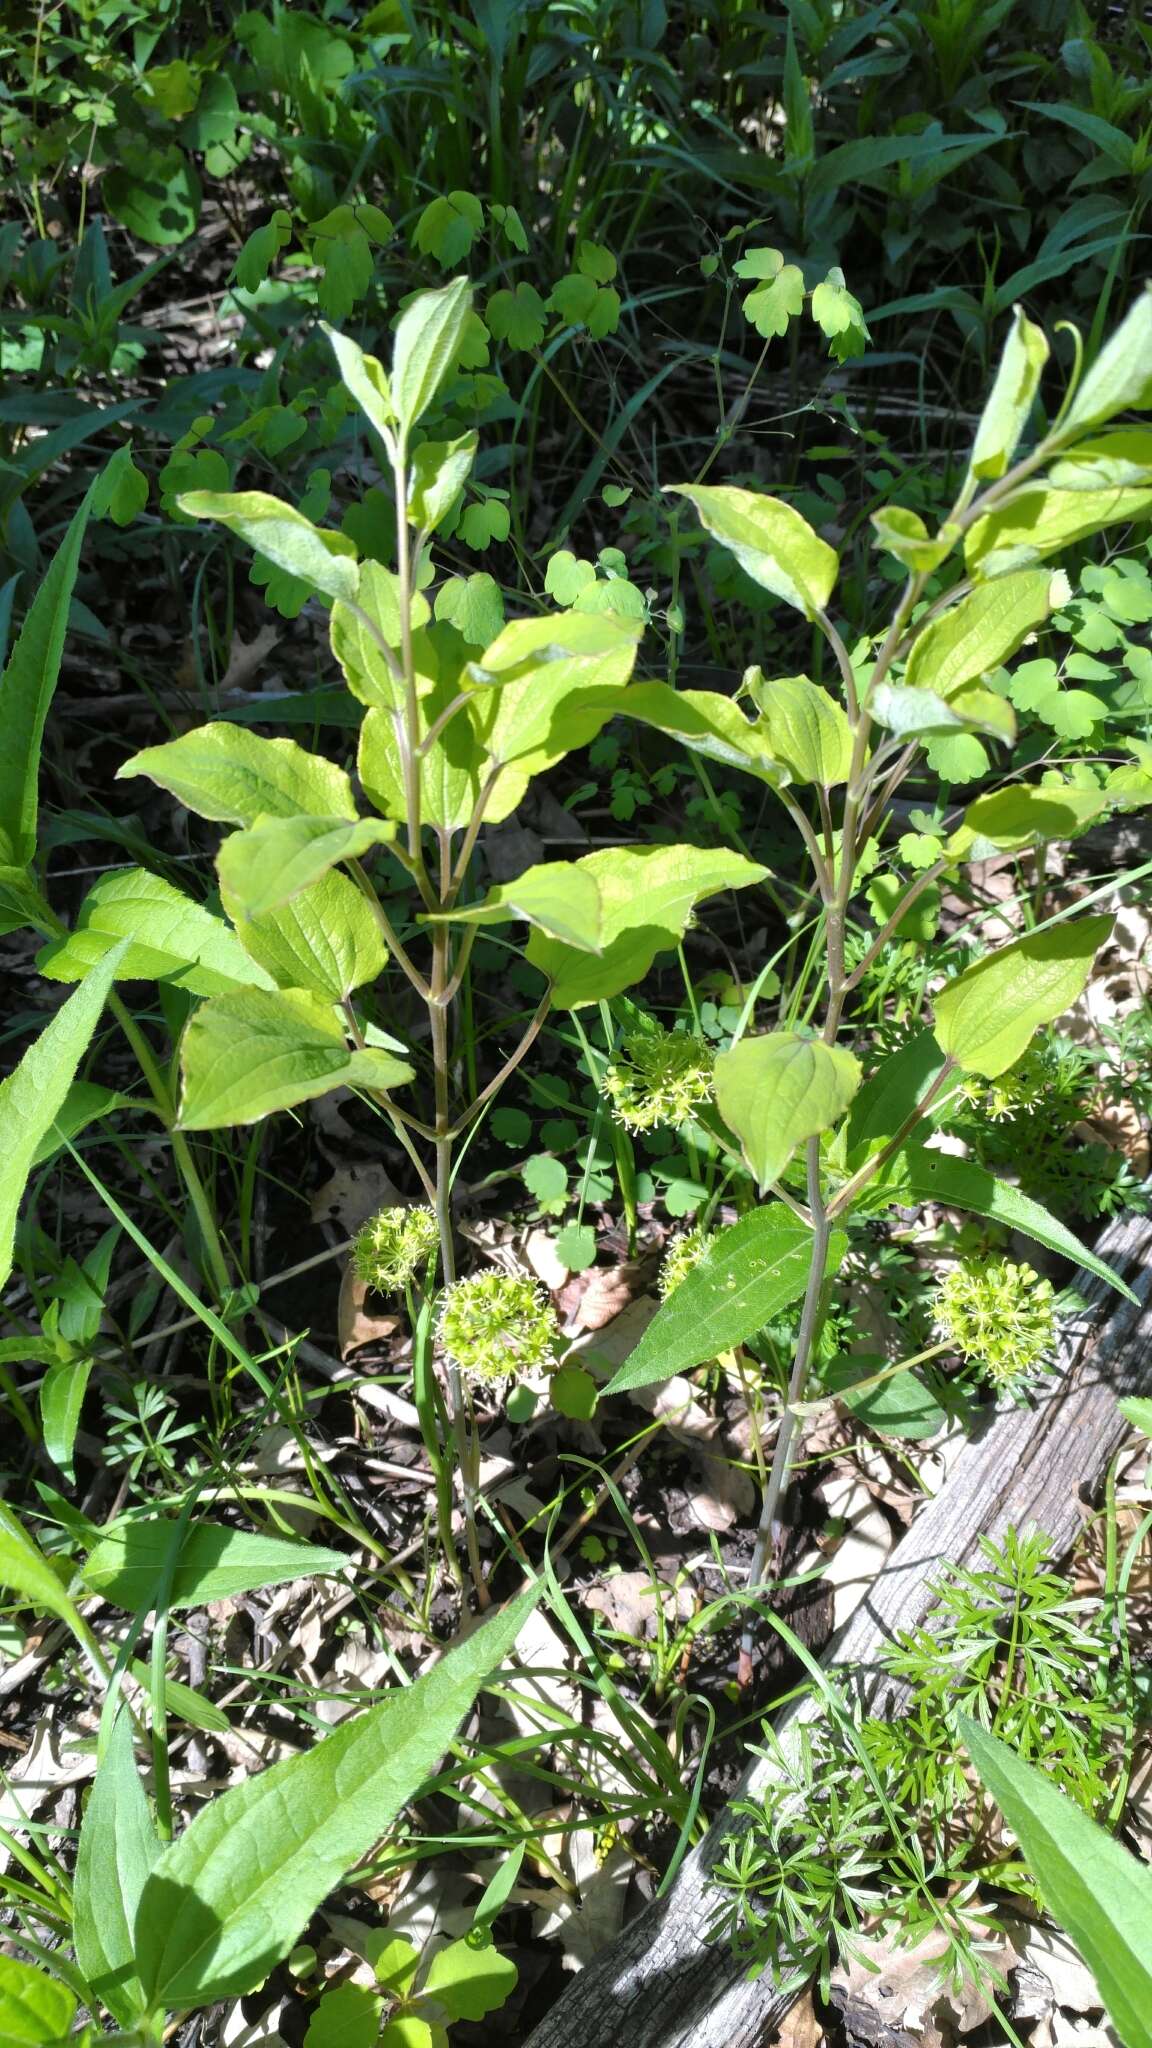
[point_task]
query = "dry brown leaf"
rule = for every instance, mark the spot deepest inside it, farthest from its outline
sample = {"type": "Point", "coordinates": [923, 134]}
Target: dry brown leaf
{"type": "Point", "coordinates": [627, 1600]}
{"type": "Point", "coordinates": [246, 656]}
{"type": "Point", "coordinates": [900, 1991]}
{"type": "Point", "coordinates": [354, 1325]}
{"type": "Point", "coordinates": [801, 2029]}
{"type": "Point", "coordinates": [352, 1194]}
{"type": "Point", "coordinates": [608, 1292]}
{"type": "Point", "coordinates": [545, 1261]}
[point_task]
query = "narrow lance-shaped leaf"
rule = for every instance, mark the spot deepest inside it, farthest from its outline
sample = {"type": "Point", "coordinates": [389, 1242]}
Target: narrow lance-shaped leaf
{"type": "Point", "coordinates": [1011, 399]}
{"type": "Point", "coordinates": [747, 1276]}
{"type": "Point", "coordinates": [35, 1091]}
{"type": "Point", "coordinates": [118, 1846]}
{"type": "Point", "coordinates": [429, 335]}
{"type": "Point", "coordinates": [365, 380]}
{"type": "Point", "coordinates": [1091, 1884]}
{"type": "Point", "coordinates": [923, 1174]}
{"type": "Point", "coordinates": [1120, 380]}
{"type": "Point", "coordinates": [26, 690]}
{"type": "Point", "coordinates": [986, 1018]}
{"type": "Point", "coordinates": [213, 1563]}
{"type": "Point", "coordinates": [319, 557]}
{"type": "Point", "coordinates": [230, 1897]}
{"type": "Point", "coordinates": [776, 1091]}
{"type": "Point", "coordinates": [770, 540]}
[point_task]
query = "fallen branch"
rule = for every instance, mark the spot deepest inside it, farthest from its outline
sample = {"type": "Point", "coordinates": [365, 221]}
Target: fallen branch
{"type": "Point", "coordinates": [662, 1984]}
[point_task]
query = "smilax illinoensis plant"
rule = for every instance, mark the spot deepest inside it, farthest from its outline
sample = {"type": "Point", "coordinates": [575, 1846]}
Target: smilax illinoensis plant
{"type": "Point", "coordinates": [453, 732]}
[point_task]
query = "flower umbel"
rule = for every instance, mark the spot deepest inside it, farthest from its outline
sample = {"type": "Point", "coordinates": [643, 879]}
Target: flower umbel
{"type": "Point", "coordinates": [658, 1077]}
{"type": "Point", "coordinates": [1000, 1315]}
{"type": "Point", "coordinates": [392, 1246]}
{"type": "Point", "coordinates": [498, 1325]}
{"type": "Point", "coordinates": [682, 1254]}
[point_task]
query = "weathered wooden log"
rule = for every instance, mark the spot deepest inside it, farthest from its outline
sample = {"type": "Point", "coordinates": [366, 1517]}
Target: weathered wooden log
{"type": "Point", "coordinates": [662, 1983]}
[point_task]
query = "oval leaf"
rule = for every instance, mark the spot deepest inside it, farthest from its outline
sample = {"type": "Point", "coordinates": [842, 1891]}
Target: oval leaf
{"type": "Point", "coordinates": [324, 560]}
{"type": "Point", "coordinates": [243, 1056]}
{"type": "Point", "coordinates": [770, 540]}
{"type": "Point", "coordinates": [987, 1016]}
{"type": "Point", "coordinates": [775, 1091]}
{"type": "Point", "coordinates": [214, 1563]}
{"type": "Point", "coordinates": [227, 773]}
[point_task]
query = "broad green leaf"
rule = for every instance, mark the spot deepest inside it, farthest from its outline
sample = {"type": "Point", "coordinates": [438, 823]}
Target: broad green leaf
{"type": "Point", "coordinates": [467, 1980]}
{"type": "Point", "coordinates": [365, 380]}
{"type": "Point", "coordinates": [544, 685]}
{"type": "Point", "coordinates": [26, 688]}
{"type": "Point", "coordinates": [775, 1091]}
{"type": "Point", "coordinates": [276, 858]}
{"type": "Point", "coordinates": [804, 728]}
{"type": "Point", "coordinates": [1041, 520]}
{"type": "Point", "coordinates": [170, 938]}
{"type": "Point", "coordinates": [25, 1571]}
{"type": "Point", "coordinates": [367, 672]}
{"type": "Point", "coordinates": [453, 771]}
{"type": "Point", "coordinates": [772, 306]}
{"type": "Point", "coordinates": [243, 1056]}
{"type": "Point", "coordinates": [922, 1174]}
{"type": "Point", "coordinates": [429, 334]}
{"type": "Point", "coordinates": [118, 1846]}
{"type": "Point", "coordinates": [1122, 457]}
{"type": "Point", "coordinates": [979, 633]}
{"type": "Point", "coordinates": [903, 533]}
{"type": "Point", "coordinates": [439, 471]}
{"type": "Point", "coordinates": [1010, 400]}
{"type": "Point", "coordinates": [156, 194]}
{"type": "Point", "coordinates": [229, 774]}
{"type": "Point", "coordinates": [36, 2010]}
{"type": "Point", "coordinates": [987, 1016]}
{"type": "Point", "coordinates": [1090, 1883]}
{"type": "Point", "coordinates": [1120, 380]}
{"type": "Point", "coordinates": [214, 1563]}
{"type": "Point", "coordinates": [326, 940]}
{"type": "Point", "coordinates": [34, 1093]}
{"type": "Point", "coordinates": [902, 1406]}
{"type": "Point", "coordinates": [751, 1271]}
{"type": "Point", "coordinates": [920, 713]}
{"type": "Point", "coordinates": [559, 897]}
{"type": "Point", "coordinates": [706, 723]}
{"type": "Point", "coordinates": [840, 317]}
{"type": "Point", "coordinates": [324, 560]}
{"type": "Point", "coordinates": [890, 1095]}
{"type": "Point", "coordinates": [770, 540]}
{"type": "Point", "coordinates": [227, 1901]}
{"type": "Point", "coordinates": [62, 1392]}
{"type": "Point", "coordinates": [1008, 820]}
{"type": "Point", "coordinates": [647, 896]}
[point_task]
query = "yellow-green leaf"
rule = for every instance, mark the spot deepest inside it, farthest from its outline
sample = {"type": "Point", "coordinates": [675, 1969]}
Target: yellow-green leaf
{"type": "Point", "coordinates": [986, 1018]}
{"type": "Point", "coordinates": [227, 773]}
{"type": "Point", "coordinates": [804, 727]}
{"type": "Point", "coordinates": [243, 1056]}
{"type": "Point", "coordinates": [776, 1091]}
{"type": "Point", "coordinates": [770, 540]}
{"type": "Point", "coordinates": [319, 557]}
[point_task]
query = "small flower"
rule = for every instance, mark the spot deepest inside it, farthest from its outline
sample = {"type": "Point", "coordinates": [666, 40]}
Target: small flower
{"type": "Point", "coordinates": [392, 1246]}
{"type": "Point", "coordinates": [682, 1254]}
{"type": "Point", "coordinates": [498, 1325]}
{"type": "Point", "coordinates": [658, 1077]}
{"type": "Point", "coordinates": [1000, 1315]}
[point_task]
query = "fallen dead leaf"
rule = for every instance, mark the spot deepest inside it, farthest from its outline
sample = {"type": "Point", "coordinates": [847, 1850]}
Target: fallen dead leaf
{"type": "Point", "coordinates": [545, 1261]}
{"type": "Point", "coordinates": [801, 2029]}
{"type": "Point", "coordinates": [890, 1992]}
{"type": "Point", "coordinates": [352, 1194]}
{"type": "Point", "coordinates": [608, 1292]}
{"type": "Point", "coordinates": [246, 656]}
{"type": "Point", "coordinates": [354, 1325]}
{"type": "Point", "coordinates": [628, 1602]}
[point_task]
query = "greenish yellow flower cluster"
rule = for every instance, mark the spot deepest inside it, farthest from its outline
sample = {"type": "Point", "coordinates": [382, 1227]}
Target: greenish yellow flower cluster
{"type": "Point", "coordinates": [682, 1254]}
{"type": "Point", "coordinates": [658, 1077]}
{"type": "Point", "coordinates": [1000, 1315]}
{"type": "Point", "coordinates": [393, 1245]}
{"type": "Point", "coordinates": [498, 1326]}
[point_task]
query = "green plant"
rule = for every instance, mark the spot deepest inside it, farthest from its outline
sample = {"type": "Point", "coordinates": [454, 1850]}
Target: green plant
{"type": "Point", "coordinates": [868, 1824]}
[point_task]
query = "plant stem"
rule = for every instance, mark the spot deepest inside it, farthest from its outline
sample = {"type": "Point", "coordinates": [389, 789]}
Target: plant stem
{"type": "Point", "coordinates": [810, 1320]}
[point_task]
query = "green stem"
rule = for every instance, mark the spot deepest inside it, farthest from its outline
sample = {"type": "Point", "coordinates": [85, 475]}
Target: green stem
{"type": "Point", "coordinates": [181, 1150]}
